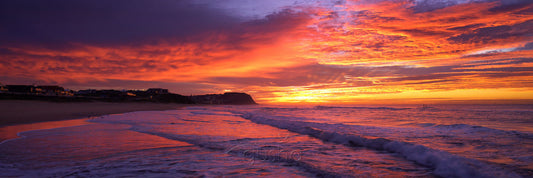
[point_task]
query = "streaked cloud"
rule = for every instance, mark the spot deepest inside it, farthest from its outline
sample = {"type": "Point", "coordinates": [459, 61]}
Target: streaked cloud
{"type": "Point", "coordinates": [279, 51]}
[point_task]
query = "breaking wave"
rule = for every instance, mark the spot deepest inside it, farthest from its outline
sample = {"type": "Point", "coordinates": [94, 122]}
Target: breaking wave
{"type": "Point", "coordinates": [444, 164]}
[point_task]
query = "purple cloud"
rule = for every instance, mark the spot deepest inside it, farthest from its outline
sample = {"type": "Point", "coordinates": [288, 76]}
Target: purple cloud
{"type": "Point", "coordinates": [56, 22]}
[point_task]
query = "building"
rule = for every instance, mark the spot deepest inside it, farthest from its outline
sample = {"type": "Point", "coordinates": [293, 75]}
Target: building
{"type": "Point", "coordinates": [157, 91]}
{"type": "Point", "coordinates": [3, 88]}
{"type": "Point", "coordinates": [86, 92]}
{"type": "Point", "coordinates": [51, 90]}
{"type": "Point", "coordinates": [21, 89]}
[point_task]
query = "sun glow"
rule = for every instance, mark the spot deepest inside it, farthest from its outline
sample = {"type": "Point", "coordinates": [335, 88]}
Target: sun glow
{"type": "Point", "coordinates": [348, 51]}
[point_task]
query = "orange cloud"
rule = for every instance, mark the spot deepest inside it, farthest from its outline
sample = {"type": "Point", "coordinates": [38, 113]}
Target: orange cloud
{"type": "Point", "coordinates": [349, 52]}
{"type": "Point", "coordinates": [388, 33]}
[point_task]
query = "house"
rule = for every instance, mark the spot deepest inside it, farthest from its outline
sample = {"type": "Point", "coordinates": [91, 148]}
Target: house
{"type": "Point", "coordinates": [157, 91]}
{"type": "Point", "coordinates": [26, 89]}
{"type": "Point", "coordinates": [88, 92]}
{"type": "Point", "coordinates": [51, 90]}
{"type": "Point", "coordinates": [3, 88]}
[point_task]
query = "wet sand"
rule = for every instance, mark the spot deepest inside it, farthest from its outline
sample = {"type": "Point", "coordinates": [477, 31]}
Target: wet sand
{"type": "Point", "coordinates": [19, 115]}
{"type": "Point", "coordinates": [22, 112]}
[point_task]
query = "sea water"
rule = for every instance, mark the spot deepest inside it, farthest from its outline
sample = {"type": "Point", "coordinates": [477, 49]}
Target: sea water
{"type": "Point", "coordinates": [284, 141]}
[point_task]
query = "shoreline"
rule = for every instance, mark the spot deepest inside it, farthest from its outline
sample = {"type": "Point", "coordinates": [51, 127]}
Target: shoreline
{"type": "Point", "coordinates": [23, 115]}
{"type": "Point", "coordinates": [11, 132]}
{"type": "Point", "coordinates": [16, 112]}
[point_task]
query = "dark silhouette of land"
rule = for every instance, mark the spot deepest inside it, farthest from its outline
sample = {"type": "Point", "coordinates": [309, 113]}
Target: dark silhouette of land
{"type": "Point", "coordinates": [27, 103]}
{"type": "Point", "coordinates": [157, 95]}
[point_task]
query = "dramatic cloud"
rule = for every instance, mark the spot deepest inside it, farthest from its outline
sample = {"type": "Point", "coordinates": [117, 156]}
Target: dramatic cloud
{"type": "Point", "coordinates": [105, 22]}
{"type": "Point", "coordinates": [431, 5]}
{"type": "Point", "coordinates": [495, 34]}
{"type": "Point", "coordinates": [279, 51]}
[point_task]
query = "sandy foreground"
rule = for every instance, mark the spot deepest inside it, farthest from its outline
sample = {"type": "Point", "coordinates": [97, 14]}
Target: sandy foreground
{"type": "Point", "coordinates": [15, 115]}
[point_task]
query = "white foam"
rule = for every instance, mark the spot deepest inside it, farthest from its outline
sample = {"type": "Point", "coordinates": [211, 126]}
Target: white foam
{"type": "Point", "coordinates": [444, 163]}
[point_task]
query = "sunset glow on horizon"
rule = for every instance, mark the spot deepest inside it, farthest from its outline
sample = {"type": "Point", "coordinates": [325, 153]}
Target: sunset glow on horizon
{"type": "Point", "coordinates": [310, 51]}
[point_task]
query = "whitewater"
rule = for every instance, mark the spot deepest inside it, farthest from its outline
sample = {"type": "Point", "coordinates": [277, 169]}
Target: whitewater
{"type": "Point", "coordinates": [283, 141]}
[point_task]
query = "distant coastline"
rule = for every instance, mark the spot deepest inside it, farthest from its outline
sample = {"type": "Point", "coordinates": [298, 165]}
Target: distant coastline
{"type": "Point", "coordinates": [153, 95]}
{"type": "Point", "coordinates": [21, 104]}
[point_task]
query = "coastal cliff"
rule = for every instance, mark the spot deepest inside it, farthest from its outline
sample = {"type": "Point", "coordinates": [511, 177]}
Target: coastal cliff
{"type": "Point", "coordinates": [226, 98]}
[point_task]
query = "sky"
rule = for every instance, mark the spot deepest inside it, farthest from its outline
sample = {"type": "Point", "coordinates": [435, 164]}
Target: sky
{"type": "Point", "coordinates": [279, 51]}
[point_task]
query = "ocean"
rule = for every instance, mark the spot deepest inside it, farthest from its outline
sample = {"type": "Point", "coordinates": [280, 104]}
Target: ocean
{"type": "Point", "coordinates": [283, 141]}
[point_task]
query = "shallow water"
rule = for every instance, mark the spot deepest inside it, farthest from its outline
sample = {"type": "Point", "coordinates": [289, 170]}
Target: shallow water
{"type": "Point", "coordinates": [284, 141]}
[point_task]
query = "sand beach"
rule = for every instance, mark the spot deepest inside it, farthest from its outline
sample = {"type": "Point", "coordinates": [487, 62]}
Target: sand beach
{"type": "Point", "coordinates": [21, 115]}
{"type": "Point", "coordinates": [20, 111]}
